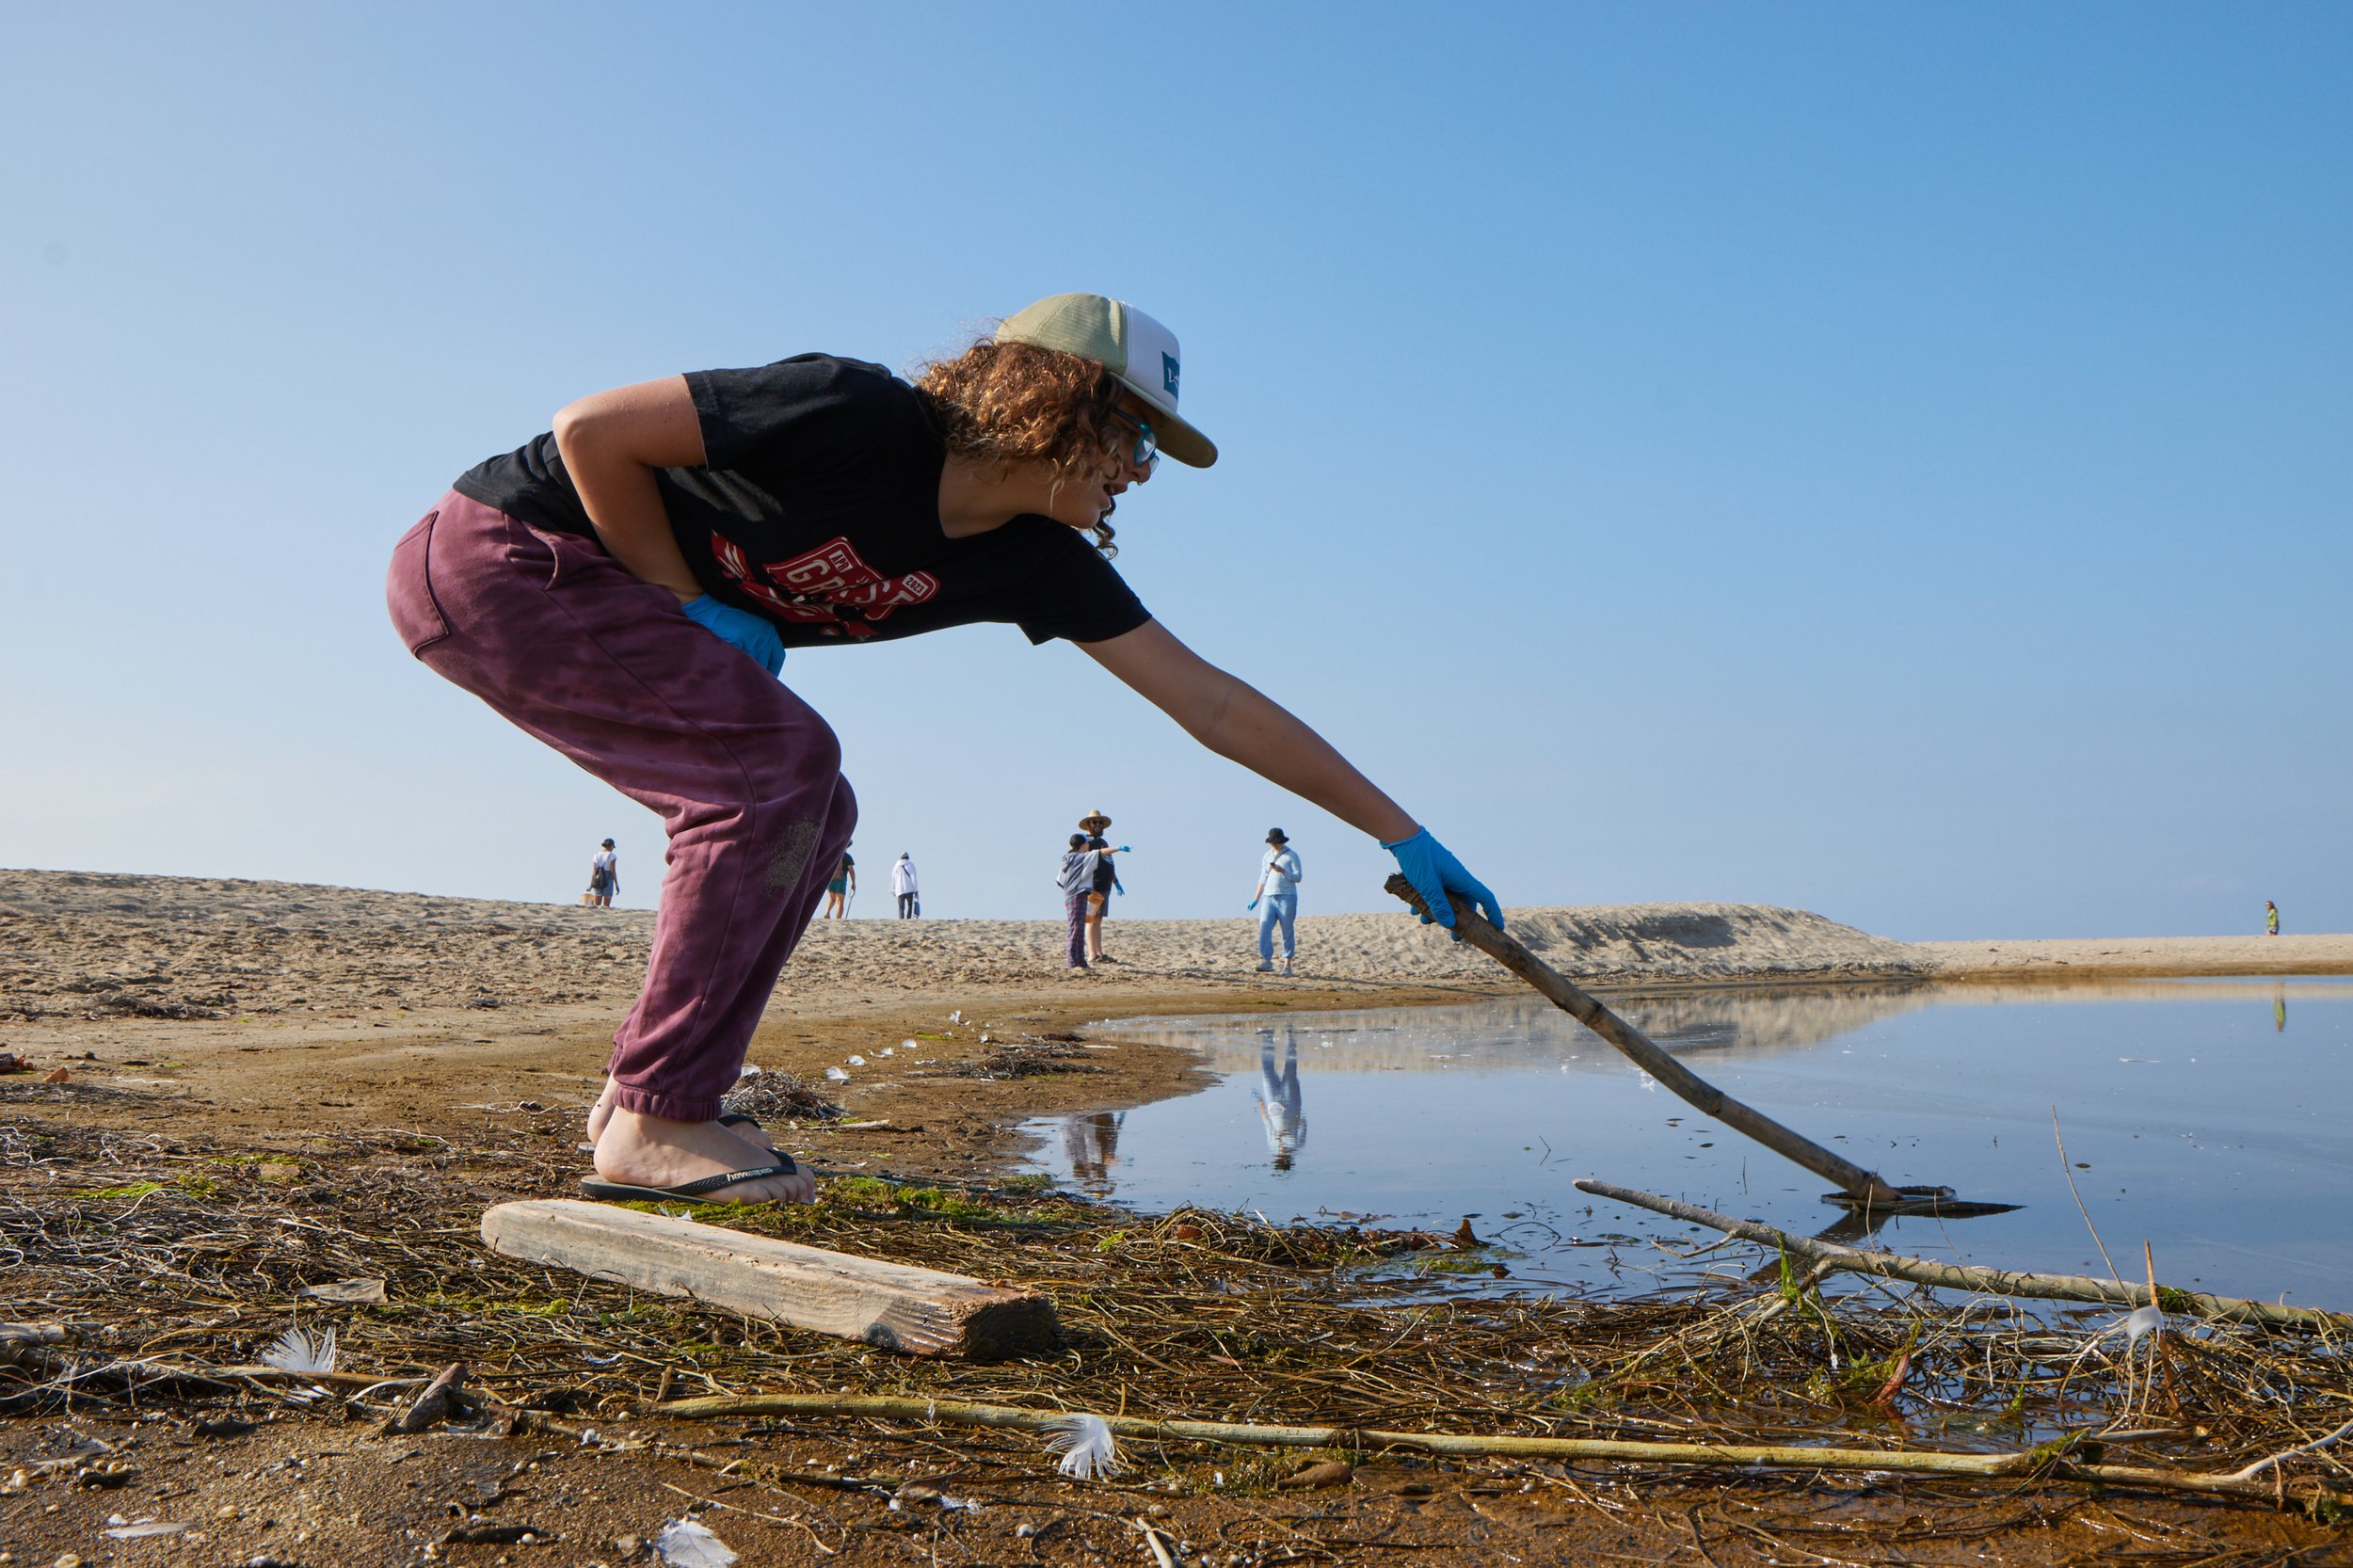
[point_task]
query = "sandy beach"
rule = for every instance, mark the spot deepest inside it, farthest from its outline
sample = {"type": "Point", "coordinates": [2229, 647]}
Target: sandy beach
{"type": "Point", "coordinates": [406, 1060]}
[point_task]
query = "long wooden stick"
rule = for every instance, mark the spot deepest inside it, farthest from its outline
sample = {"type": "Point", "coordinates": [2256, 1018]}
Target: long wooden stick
{"type": "Point", "coordinates": [2046, 1462]}
{"type": "Point", "coordinates": [1998, 1282]}
{"type": "Point", "coordinates": [1508, 951]}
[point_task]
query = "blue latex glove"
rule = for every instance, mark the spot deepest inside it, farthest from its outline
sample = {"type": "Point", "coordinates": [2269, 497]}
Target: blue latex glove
{"type": "Point", "coordinates": [753, 633]}
{"type": "Point", "coordinates": [1434, 873]}
{"type": "Point", "coordinates": [1252, 904]}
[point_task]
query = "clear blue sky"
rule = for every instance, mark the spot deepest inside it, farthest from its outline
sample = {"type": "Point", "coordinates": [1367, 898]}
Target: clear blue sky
{"type": "Point", "coordinates": [1889, 459]}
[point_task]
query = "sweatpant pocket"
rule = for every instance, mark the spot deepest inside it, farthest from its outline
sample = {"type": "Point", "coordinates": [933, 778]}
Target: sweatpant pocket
{"type": "Point", "coordinates": [409, 589]}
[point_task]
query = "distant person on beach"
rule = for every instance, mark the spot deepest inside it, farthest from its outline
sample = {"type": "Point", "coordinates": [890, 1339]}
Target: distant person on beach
{"type": "Point", "coordinates": [1080, 864]}
{"type": "Point", "coordinates": [840, 886]}
{"type": "Point", "coordinates": [1100, 899]}
{"type": "Point", "coordinates": [624, 588]}
{"type": "Point", "coordinates": [604, 876]}
{"type": "Point", "coordinates": [2271, 919]}
{"type": "Point", "coordinates": [1095, 824]}
{"type": "Point", "coordinates": [902, 888]}
{"type": "Point", "coordinates": [1277, 899]}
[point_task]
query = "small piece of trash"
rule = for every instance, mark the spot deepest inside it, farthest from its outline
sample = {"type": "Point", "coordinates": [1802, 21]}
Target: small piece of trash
{"type": "Point", "coordinates": [141, 1531]}
{"type": "Point", "coordinates": [924, 1491]}
{"type": "Point", "coordinates": [1332, 1472]}
{"type": "Point", "coordinates": [748, 1070]}
{"type": "Point", "coordinates": [684, 1543]}
{"type": "Point", "coordinates": [858, 1061]}
{"type": "Point", "coordinates": [353, 1290]}
{"type": "Point", "coordinates": [56, 1075]}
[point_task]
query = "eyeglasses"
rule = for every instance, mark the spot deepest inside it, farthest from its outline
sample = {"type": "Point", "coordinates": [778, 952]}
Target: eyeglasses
{"type": "Point", "coordinates": [1147, 448]}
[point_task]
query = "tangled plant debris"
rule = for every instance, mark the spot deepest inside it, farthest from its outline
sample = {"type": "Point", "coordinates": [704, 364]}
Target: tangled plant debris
{"type": "Point", "coordinates": [158, 1272]}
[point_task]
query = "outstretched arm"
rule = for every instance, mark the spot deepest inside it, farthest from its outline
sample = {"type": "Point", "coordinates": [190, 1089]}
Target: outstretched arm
{"type": "Point", "coordinates": [1238, 721]}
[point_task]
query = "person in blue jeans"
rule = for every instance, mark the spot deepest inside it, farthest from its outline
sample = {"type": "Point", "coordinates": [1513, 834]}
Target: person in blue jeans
{"type": "Point", "coordinates": [1277, 899]}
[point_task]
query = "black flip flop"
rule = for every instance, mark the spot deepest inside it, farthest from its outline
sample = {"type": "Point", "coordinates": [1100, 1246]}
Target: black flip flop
{"type": "Point", "coordinates": [686, 1192]}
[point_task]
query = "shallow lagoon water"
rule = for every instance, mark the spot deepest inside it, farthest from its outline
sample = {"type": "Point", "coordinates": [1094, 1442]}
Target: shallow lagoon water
{"type": "Point", "coordinates": [2207, 1118]}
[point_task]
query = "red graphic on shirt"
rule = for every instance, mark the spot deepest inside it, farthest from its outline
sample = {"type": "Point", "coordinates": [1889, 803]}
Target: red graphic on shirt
{"type": "Point", "coordinates": [828, 588]}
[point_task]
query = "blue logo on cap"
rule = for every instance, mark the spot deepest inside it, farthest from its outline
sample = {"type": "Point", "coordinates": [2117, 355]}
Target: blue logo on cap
{"type": "Point", "coordinates": [1168, 373]}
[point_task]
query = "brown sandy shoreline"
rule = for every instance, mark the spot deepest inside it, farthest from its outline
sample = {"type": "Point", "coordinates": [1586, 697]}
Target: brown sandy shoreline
{"type": "Point", "coordinates": [230, 1015]}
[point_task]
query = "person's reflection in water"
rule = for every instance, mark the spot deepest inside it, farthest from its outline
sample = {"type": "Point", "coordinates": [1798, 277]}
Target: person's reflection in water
{"type": "Point", "coordinates": [2280, 1009]}
{"type": "Point", "coordinates": [1091, 1144]}
{"type": "Point", "coordinates": [1278, 1097]}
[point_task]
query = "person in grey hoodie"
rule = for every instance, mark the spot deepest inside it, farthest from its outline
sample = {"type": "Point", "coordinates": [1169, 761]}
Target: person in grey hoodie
{"type": "Point", "coordinates": [1077, 880]}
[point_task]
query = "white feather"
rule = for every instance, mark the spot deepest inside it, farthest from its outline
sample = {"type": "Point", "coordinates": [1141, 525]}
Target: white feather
{"type": "Point", "coordinates": [1087, 1447]}
{"type": "Point", "coordinates": [296, 1351]}
{"type": "Point", "coordinates": [684, 1543]}
{"type": "Point", "coordinates": [2142, 1319]}
{"type": "Point", "coordinates": [834, 1075]}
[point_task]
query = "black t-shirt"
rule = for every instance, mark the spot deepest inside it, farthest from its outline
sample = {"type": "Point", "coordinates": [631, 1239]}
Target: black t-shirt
{"type": "Point", "coordinates": [819, 509]}
{"type": "Point", "coordinates": [1105, 874]}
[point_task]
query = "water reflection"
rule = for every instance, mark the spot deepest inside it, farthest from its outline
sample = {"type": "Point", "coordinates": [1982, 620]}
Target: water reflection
{"type": "Point", "coordinates": [1279, 1108]}
{"type": "Point", "coordinates": [2185, 1125]}
{"type": "Point", "coordinates": [1091, 1144]}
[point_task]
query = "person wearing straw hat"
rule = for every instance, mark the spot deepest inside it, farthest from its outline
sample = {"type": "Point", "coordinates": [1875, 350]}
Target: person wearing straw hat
{"type": "Point", "coordinates": [625, 586]}
{"type": "Point", "coordinates": [1098, 897]}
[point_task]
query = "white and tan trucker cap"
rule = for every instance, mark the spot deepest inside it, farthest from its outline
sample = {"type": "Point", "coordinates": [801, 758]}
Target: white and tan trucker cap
{"type": "Point", "coordinates": [1136, 350]}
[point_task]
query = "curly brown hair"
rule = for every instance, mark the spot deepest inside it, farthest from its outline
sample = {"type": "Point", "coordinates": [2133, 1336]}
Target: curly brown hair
{"type": "Point", "coordinates": [1015, 402]}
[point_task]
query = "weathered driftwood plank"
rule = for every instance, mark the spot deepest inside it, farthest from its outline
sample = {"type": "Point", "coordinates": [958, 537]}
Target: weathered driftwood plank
{"type": "Point", "coordinates": [920, 1311]}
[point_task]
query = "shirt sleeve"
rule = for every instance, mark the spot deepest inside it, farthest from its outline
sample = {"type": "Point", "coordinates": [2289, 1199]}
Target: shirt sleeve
{"type": "Point", "coordinates": [1069, 590]}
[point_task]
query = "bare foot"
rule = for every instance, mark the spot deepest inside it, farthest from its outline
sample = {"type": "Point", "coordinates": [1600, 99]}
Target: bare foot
{"type": "Point", "coordinates": [601, 1113]}
{"type": "Point", "coordinates": [650, 1151]}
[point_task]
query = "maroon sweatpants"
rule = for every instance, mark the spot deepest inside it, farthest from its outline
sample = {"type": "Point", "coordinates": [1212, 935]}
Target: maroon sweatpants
{"type": "Point", "coordinates": [561, 639]}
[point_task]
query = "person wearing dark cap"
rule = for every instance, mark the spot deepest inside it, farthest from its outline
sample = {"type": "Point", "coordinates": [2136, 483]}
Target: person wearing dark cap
{"type": "Point", "coordinates": [625, 584]}
{"type": "Point", "coordinates": [1277, 899]}
{"type": "Point", "coordinates": [604, 876]}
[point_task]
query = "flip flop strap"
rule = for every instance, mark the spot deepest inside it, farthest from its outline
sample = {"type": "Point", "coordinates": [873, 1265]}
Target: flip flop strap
{"type": "Point", "coordinates": [783, 1166]}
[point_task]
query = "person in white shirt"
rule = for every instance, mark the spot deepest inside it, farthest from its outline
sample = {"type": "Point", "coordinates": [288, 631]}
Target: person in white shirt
{"type": "Point", "coordinates": [1277, 899]}
{"type": "Point", "coordinates": [903, 885]}
{"type": "Point", "coordinates": [604, 876]}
